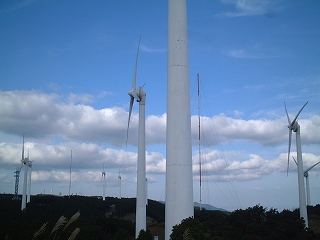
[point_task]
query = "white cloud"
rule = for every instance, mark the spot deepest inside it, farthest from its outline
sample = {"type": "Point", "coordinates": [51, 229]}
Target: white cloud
{"type": "Point", "coordinates": [96, 137]}
{"type": "Point", "coordinates": [219, 166]}
{"type": "Point", "coordinates": [82, 98]}
{"type": "Point", "coordinates": [250, 8]}
{"type": "Point", "coordinates": [44, 116]}
{"type": "Point", "coordinates": [54, 176]}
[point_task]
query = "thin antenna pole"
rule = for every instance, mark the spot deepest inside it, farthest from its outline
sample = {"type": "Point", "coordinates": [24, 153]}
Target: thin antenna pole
{"type": "Point", "coordinates": [23, 147]}
{"type": "Point", "coordinates": [70, 174]}
{"type": "Point", "coordinates": [119, 179]}
{"type": "Point", "coordinates": [199, 140]}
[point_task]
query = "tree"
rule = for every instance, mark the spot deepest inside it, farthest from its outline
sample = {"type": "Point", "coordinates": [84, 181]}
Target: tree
{"type": "Point", "coordinates": [190, 228]}
{"type": "Point", "coordinates": [145, 235]}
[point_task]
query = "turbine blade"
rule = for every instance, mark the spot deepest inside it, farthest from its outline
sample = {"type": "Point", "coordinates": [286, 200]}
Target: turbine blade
{"type": "Point", "coordinates": [130, 111]}
{"type": "Point", "coordinates": [289, 122]}
{"type": "Point", "coordinates": [311, 167]}
{"type": "Point", "coordinates": [290, 134]}
{"type": "Point", "coordinates": [299, 113]}
{"type": "Point", "coordinates": [295, 160]}
{"type": "Point", "coordinates": [135, 68]}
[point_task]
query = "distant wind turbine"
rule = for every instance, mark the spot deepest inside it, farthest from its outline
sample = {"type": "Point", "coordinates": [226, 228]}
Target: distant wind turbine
{"type": "Point", "coordinates": [306, 175]}
{"type": "Point", "coordinates": [103, 178]}
{"type": "Point", "coordinates": [24, 161]}
{"type": "Point", "coordinates": [119, 181]}
{"type": "Point", "coordinates": [140, 96]}
{"type": "Point", "coordinates": [295, 127]}
{"type": "Point", "coordinates": [70, 175]}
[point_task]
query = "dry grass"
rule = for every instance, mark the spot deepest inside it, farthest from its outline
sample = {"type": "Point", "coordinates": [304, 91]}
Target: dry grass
{"type": "Point", "coordinates": [72, 219]}
{"type": "Point", "coordinates": [40, 230]}
{"type": "Point", "coordinates": [74, 234]}
{"type": "Point", "coordinates": [61, 221]}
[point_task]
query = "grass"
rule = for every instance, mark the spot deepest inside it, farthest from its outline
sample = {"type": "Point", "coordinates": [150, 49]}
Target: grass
{"type": "Point", "coordinates": [62, 221]}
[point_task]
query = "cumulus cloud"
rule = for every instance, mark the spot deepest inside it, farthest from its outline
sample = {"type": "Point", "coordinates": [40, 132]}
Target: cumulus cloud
{"type": "Point", "coordinates": [226, 129]}
{"type": "Point", "coordinates": [54, 176]}
{"type": "Point", "coordinates": [220, 166]}
{"type": "Point", "coordinates": [46, 116]}
{"type": "Point", "coordinates": [97, 136]}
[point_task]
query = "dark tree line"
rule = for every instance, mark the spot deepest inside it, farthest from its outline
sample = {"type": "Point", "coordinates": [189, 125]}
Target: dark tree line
{"type": "Point", "coordinates": [109, 220]}
{"type": "Point", "coordinates": [98, 219]}
{"type": "Point", "coordinates": [249, 224]}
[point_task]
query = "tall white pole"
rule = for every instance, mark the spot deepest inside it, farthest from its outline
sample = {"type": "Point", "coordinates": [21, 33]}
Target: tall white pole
{"type": "Point", "coordinates": [179, 183]}
{"type": "Point", "coordinates": [24, 191]}
{"type": "Point", "coordinates": [141, 211]}
{"type": "Point", "coordinates": [308, 189]}
{"type": "Point", "coordinates": [70, 175]}
{"type": "Point", "coordinates": [104, 186]}
{"type": "Point", "coordinates": [199, 143]}
{"type": "Point", "coordinates": [29, 181]}
{"type": "Point", "coordinates": [302, 193]}
{"type": "Point", "coordinates": [119, 179]}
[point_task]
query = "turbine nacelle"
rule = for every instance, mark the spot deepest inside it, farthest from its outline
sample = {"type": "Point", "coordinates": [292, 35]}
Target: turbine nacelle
{"type": "Point", "coordinates": [293, 126]}
{"type": "Point", "coordinates": [133, 93]}
{"type": "Point", "coordinates": [24, 161]}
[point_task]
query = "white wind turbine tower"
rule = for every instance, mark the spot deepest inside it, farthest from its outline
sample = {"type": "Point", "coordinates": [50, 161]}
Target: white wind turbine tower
{"type": "Point", "coordinates": [140, 96]}
{"type": "Point", "coordinates": [179, 183]}
{"type": "Point", "coordinates": [29, 163]}
{"type": "Point", "coordinates": [295, 127]}
{"type": "Point", "coordinates": [24, 161]}
{"type": "Point", "coordinates": [103, 176]}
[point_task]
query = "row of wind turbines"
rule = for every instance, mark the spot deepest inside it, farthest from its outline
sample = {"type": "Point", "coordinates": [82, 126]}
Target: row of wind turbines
{"type": "Point", "coordinates": [140, 97]}
{"type": "Point", "coordinates": [179, 186]}
{"type": "Point", "coordinates": [295, 127]}
{"type": "Point", "coordinates": [179, 183]}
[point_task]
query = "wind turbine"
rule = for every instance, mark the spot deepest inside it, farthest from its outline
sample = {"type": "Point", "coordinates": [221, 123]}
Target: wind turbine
{"type": "Point", "coordinates": [24, 161]}
{"type": "Point", "coordinates": [295, 127]}
{"type": "Point", "coordinates": [179, 182]}
{"type": "Point", "coordinates": [103, 178]}
{"type": "Point", "coordinates": [306, 175]}
{"type": "Point", "coordinates": [140, 96]}
{"type": "Point", "coordinates": [119, 181]}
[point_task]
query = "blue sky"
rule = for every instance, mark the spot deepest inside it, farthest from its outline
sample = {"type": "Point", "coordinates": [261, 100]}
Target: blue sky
{"type": "Point", "coordinates": [66, 68]}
